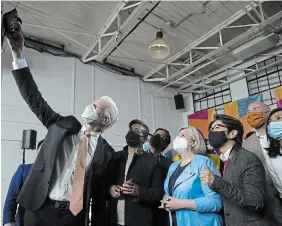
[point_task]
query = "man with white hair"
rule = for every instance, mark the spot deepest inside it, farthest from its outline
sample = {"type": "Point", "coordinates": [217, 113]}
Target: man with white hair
{"type": "Point", "coordinates": [258, 143]}
{"type": "Point", "coordinates": [69, 178]}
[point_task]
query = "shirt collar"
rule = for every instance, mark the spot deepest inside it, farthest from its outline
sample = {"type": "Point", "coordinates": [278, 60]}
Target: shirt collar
{"type": "Point", "coordinates": [263, 140]}
{"type": "Point", "coordinates": [225, 156]}
{"type": "Point", "coordinates": [261, 136]}
{"type": "Point", "coordinates": [92, 134]}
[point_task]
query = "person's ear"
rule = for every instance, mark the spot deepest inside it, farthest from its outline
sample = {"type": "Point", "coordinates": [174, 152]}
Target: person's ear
{"type": "Point", "coordinates": [194, 144]}
{"type": "Point", "coordinates": [233, 134]}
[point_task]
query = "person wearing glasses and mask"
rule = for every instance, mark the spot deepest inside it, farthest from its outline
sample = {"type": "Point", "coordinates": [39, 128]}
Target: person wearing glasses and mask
{"type": "Point", "coordinates": [258, 143]}
{"type": "Point", "coordinates": [188, 201]}
{"type": "Point", "coordinates": [159, 142]}
{"type": "Point", "coordinates": [137, 184]}
{"type": "Point", "coordinates": [242, 186]}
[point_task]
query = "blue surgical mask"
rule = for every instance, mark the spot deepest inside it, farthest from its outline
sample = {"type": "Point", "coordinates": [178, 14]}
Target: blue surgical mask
{"type": "Point", "coordinates": [274, 130]}
{"type": "Point", "coordinates": [146, 146]}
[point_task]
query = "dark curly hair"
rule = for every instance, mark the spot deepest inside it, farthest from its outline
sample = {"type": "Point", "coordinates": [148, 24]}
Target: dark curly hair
{"type": "Point", "coordinates": [274, 147]}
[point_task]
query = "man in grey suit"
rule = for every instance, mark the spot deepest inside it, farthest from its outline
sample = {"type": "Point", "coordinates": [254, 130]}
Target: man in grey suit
{"type": "Point", "coordinates": [257, 143]}
{"type": "Point", "coordinates": [242, 186]}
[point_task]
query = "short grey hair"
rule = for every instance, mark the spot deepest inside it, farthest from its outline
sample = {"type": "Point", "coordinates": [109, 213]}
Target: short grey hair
{"type": "Point", "coordinates": [199, 142]}
{"type": "Point", "coordinates": [111, 112]}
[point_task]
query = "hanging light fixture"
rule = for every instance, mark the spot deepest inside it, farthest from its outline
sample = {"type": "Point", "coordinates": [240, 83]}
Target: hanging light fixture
{"type": "Point", "coordinates": [159, 48]}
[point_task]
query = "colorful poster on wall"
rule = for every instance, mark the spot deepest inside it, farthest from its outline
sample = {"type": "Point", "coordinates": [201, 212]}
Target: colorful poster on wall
{"type": "Point", "coordinates": [201, 120]}
{"type": "Point", "coordinates": [239, 109]}
{"type": "Point", "coordinates": [278, 96]}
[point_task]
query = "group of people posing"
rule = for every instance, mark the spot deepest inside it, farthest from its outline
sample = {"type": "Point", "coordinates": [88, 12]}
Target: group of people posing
{"type": "Point", "coordinates": [233, 182]}
{"type": "Point", "coordinates": [78, 179]}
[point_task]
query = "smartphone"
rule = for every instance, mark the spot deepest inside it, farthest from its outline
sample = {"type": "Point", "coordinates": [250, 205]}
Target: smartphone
{"type": "Point", "coordinates": [126, 182]}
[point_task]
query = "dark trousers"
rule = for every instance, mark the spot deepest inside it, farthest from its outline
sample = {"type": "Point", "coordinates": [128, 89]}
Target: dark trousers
{"type": "Point", "coordinates": [48, 215]}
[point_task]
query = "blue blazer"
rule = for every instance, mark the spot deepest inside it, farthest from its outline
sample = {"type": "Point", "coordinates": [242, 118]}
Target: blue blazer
{"type": "Point", "coordinates": [188, 186]}
{"type": "Point", "coordinates": [10, 206]}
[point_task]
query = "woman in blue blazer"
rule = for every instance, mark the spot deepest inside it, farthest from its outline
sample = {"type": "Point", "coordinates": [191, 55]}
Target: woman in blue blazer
{"type": "Point", "coordinates": [12, 213]}
{"type": "Point", "coordinates": [189, 202]}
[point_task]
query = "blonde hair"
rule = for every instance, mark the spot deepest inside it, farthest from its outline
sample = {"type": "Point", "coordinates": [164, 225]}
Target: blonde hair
{"type": "Point", "coordinates": [199, 146]}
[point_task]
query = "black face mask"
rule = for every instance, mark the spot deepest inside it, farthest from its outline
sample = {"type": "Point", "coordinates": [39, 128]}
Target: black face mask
{"type": "Point", "coordinates": [133, 139]}
{"type": "Point", "coordinates": [217, 139]}
{"type": "Point", "coordinates": [157, 142]}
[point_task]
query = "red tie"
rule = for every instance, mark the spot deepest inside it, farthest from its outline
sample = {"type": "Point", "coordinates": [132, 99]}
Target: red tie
{"type": "Point", "coordinates": [224, 165]}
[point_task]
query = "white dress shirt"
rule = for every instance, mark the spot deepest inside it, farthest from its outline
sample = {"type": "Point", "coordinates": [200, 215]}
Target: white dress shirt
{"type": "Point", "coordinates": [274, 165]}
{"type": "Point", "coordinates": [121, 202]}
{"type": "Point", "coordinates": [62, 177]}
{"type": "Point", "coordinates": [63, 173]}
{"type": "Point", "coordinates": [225, 156]}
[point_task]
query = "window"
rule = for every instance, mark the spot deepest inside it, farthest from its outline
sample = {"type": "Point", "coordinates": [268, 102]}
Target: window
{"type": "Point", "coordinates": [215, 98]}
{"type": "Point", "coordinates": [265, 81]}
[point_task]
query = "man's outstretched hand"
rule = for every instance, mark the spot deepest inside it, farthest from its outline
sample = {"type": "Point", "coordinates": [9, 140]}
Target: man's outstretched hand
{"type": "Point", "coordinates": [16, 44]}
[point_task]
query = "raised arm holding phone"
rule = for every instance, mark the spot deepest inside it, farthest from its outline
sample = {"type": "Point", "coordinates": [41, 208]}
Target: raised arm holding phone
{"type": "Point", "coordinates": [64, 187]}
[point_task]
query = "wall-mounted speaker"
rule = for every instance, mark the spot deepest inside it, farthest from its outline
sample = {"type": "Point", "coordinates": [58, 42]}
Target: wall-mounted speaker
{"type": "Point", "coordinates": [179, 102]}
{"type": "Point", "coordinates": [29, 139]}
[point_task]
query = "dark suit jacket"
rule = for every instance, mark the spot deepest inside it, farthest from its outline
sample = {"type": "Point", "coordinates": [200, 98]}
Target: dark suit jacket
{"type": "Point", "coordinates": [10, 213]}
{"type": "Point", "coordinates": [242, 189]}
{"type": "Point", "coordinates": [33, 197]}
{"type": "Point", "coordinates": [145, 171]}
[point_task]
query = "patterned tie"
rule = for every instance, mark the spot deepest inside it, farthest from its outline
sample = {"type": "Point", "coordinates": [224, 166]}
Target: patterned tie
{"type": "Point", "coordinates": [76, 203]}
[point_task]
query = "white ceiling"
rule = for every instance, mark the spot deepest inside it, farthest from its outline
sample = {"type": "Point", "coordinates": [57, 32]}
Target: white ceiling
{"type": "Point", "coordinates": [76, 25]}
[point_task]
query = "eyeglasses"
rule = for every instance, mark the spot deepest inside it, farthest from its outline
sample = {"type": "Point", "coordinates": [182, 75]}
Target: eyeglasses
{"type": "Point", "coordinates": [138, 131]}
{"type": "Point", "coordinates": [217, 127]}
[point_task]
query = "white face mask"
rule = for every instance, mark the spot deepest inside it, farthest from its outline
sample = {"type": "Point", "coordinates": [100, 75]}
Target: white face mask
{"type": "Point", "coordinates": [180, 144]}
{"type": "Point", "coordinates": [89, 114]}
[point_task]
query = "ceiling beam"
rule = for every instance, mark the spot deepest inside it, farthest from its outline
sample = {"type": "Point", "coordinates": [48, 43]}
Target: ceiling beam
{"type": "Point", "coordinates": [120, 33]}
{"type": "Point", "coordinates": [218, 74]}
{"type": "Point", "coordinates": [105, 27]}
{"type": "Point", "coordinates": [208, 76]}
{"type": "Point", "coordinates": [246, 35]}
{"type": "Point", "coordinates": [242, 76]}
{"type": "Point", "coordinates": [201, 40]}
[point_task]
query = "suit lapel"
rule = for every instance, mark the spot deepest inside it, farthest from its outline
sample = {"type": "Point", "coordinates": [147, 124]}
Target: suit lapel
{"type": "Point", "coordinates": [70, 123]}
{"type": "Point", "coordinates": [185, 175]}
{"type": "Point", "coordinates": [258, 149]}
{"type": "Point", "coordinates": [99, 154]}
{"type": "Point", "coordinates": [232, 156]}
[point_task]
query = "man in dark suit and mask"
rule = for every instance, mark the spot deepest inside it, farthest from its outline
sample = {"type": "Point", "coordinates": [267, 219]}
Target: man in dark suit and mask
{"type": "Point", "coordinates": [71, 168]}
{"type": "Point", "coordinates": [158, 143]}
{"type": "Point", "coordinates": [137, 183]}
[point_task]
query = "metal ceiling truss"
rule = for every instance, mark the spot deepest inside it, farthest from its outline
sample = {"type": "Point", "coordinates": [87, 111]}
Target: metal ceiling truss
{"type": "Point", "coordinates": [219, 74]}
{"type": "Point", "coordinates": [197, 44]}
{"type": "Point", "coordinates": [122, 29]}
{"type": "Point", "coordinates": [218, 52]}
